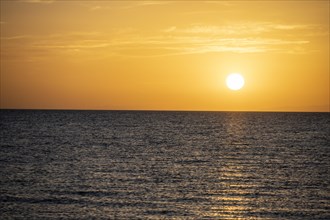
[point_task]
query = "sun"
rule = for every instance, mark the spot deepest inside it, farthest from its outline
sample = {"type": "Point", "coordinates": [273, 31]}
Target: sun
{"type": "Point", "coordinates": [235, 81]}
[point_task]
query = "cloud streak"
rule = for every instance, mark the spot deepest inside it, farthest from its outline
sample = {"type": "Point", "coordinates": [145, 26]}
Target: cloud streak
{"type": "Point", "coordinates": [195, 39]}
{"type": "Point", "coordinates": [39, 1]}
{"type": "Point", "coordinates": [242, 28]}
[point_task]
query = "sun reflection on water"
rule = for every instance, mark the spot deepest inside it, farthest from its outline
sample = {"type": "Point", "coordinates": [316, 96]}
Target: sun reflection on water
{"type": "Point", "coordinates": [237, 189]}
{"type": "Point", "coordinates": [234, 196]}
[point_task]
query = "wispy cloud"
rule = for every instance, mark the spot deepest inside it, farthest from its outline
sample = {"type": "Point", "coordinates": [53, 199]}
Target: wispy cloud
{"type": "Point", "coordinates": [146, 3]}
{"type": "Point", "coordinates": [170, 29]}
{"type": "Point", "coordinates": [96, 7]}
{"type": "Point", "coordinates": [223, 3]}
{"type": "Point", "coordinates": [137, 4]}
{"type": "Point", "coordinates": [194, 39]}
{"type": "Point", "coordinates": [36, 47]}
{"type": "Point", "coordinates": [38, 1]}
{"type": "Point", "coordinates": [123, 5]}
{"type": "Point", "coordinates": [242, 28]}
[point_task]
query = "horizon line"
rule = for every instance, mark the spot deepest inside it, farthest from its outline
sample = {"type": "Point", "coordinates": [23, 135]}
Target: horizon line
{"type": "Point", "coordinates": [159, 110]}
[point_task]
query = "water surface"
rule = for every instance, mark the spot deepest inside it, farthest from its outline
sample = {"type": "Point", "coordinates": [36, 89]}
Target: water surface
{"type": "Point", "coordinates": [164, 165]}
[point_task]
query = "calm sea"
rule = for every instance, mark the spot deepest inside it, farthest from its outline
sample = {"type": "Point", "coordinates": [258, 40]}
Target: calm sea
{"type": "Point", "coordinates": [164, 165]}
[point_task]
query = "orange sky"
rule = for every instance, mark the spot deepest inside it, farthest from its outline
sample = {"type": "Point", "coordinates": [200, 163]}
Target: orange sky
{"type": "Point", "coordinates": [165, 55]}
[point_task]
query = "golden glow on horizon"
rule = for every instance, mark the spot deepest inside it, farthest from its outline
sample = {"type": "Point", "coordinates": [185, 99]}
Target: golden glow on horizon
{"type": "Point", "coordinates": [164, 55]}
{"type": "Point", "coordinates": [235, 81]}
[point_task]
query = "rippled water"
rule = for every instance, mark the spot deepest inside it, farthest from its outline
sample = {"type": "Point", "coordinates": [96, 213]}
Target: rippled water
{"type": "Point", "coordinates": [164, 165]}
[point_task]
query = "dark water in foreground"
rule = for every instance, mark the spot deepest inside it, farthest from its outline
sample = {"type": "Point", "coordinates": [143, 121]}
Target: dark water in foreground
{"type": "Point", "coordinates": [164, 165]}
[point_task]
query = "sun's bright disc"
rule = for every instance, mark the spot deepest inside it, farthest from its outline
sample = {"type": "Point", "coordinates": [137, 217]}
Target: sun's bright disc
{"type": "Point", "coordinates": [235, 81]}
